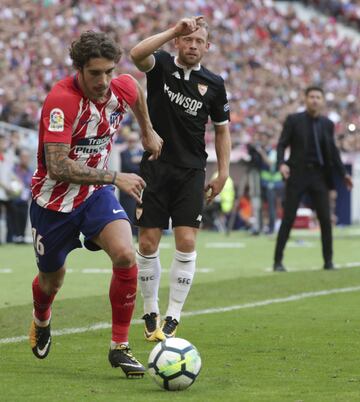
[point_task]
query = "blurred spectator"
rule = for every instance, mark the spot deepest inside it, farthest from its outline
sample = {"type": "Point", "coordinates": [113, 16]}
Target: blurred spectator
{"type": "Point", "coordinates": [346, 11]}
{"type": "Point", "coordinates": [130, 163]}
{"type": "Point", "coordinates": [9, 187]}
{"type": "Point", "coordinates": [267, 58]}
{"type": "Point", "coordinates": [217, 214]}
{"type": "Point", "coordinates": [271, 181]}
{"type": "Point", "coordinates": [20, 203]}
{"type": "Point", "coordinates": [255, 164]}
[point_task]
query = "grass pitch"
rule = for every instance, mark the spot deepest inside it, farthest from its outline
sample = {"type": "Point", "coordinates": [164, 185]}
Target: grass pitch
{"type": "Point", "coordinates": [262, 336]}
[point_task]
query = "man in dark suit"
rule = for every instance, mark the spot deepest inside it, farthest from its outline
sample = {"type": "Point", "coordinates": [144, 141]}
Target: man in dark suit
{"type": "Point", "coordinates": [309, 169]}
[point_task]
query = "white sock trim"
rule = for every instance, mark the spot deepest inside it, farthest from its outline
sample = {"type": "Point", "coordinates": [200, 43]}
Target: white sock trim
{"type": "Point", "coordinates": [41, 323]}
{"type": "Point", "coordinates": [185, 257]}
{"type": "Point", "coordinates": [113, 344]}
{"type": "Point", "coordinates": [154, 255]}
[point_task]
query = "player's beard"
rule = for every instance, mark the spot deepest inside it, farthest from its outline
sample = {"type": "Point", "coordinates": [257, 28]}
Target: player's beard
{"type": "Point", "coordinates": [189, 61]}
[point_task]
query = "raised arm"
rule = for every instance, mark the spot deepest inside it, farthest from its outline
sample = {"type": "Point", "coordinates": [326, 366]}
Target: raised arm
{"type": "Point", "coordinates": [142, 53]}
{"type": "Point", "coordinates": [223, 148]}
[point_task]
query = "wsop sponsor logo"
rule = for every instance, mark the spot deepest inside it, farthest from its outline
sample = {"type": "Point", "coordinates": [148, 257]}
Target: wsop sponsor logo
{"type": "Point", "coordinates": [190, 105]}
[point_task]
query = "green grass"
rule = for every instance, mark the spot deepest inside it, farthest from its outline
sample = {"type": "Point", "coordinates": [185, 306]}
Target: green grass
{"type": "Point", "coordinates": [304, 350]}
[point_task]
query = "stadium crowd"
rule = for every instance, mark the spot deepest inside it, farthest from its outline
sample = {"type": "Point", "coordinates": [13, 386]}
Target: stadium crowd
{"type": "Point", "coordinates": [266, 58]}
{"type": "Point", "coordinates": [346, 11]}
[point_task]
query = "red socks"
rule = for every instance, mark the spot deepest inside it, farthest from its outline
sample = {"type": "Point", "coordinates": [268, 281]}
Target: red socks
{"type": "Point", "coordinates": [122, 297]}
{"type": "Point", "coordinates": [42, 302]}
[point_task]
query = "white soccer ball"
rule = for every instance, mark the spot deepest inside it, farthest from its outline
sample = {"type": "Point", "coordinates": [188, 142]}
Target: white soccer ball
{"type": "Point", "coordinates": [174, 364]}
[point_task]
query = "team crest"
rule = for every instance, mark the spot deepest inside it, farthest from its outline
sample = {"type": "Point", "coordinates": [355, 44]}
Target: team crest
{"type": "Point", "coordinates": [138, 213]}
{"type": "Point", "coordinates": [115, 118]}
{"type": "Point", "coordinates": [57, 120]}
{"type": "Point", "coordinates": [202, 89]}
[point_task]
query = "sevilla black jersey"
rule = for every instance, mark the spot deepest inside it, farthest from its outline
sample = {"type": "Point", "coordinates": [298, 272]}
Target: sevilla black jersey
{"type": "Point", "coordinates": [180, 102]}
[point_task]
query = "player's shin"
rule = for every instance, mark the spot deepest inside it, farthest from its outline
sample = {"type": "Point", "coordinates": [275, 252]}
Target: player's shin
{"type": "Point", "coordinates": [42, 304]}
{"type": "Point", "coordinates": [149, 280]}
{"type": "Point", "coordinates": [122, 298]}
{"type": "Point", "coordinates": [181, 277]}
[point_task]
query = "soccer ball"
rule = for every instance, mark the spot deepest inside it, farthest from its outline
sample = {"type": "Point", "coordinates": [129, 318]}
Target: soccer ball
{"type": "Point", "coordinates": [174, 364]}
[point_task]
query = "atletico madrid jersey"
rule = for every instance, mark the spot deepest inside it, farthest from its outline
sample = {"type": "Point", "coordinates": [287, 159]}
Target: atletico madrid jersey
{"type": "Point", "coordinates": [71, 118]}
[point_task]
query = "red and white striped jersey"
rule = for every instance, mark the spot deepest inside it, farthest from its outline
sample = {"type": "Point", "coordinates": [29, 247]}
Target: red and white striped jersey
{"type": "Point", "coordinates": [71, 118]}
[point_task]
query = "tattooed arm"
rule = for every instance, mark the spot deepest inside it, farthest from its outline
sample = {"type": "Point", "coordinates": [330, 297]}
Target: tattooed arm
{"type": "Point", "coordinates": [61, 168]}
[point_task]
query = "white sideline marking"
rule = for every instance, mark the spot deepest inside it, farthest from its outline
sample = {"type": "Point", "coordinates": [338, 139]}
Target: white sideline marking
{"type": "Point", "coordinates": [301, 244]}
{"type": "Point", "coordinates": [104, 270]}
{"type": "Point", "coordinates": [318, 267]}
{"type": "Point", "coordinates": [225, 245]}
{"type": "Point", "coordinates": [109, 271]}
{"type": "Point", "coordinates": [105, 325]}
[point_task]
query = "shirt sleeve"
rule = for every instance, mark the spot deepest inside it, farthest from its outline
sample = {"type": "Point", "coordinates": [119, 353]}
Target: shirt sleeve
{"type": "Point", "coordinates": [219, 109]}
{"type": "Point", "coordinates": [161, 58]}
{"type": "Point", "coordinates": [125, 85]}
{"type": "Point", "coordinates": [57, 117]}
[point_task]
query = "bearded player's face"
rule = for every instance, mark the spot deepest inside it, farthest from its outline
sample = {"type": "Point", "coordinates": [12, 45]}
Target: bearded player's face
{"type": "Point", "coordinates": [191, 48]}
{"type": "Point", "coordinates": [95, 78]}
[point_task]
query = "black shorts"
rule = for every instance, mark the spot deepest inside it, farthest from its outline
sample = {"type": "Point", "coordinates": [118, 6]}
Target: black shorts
{"type": "Point", "coordinates": [171, 192]}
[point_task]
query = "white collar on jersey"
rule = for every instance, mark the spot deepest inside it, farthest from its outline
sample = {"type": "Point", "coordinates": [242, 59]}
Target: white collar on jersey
{"type": "Point", "coordinates": [187, 70]}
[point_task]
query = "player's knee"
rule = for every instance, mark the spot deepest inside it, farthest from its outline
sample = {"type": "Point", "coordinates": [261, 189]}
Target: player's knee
{"type": "Point", "coordinates": [123, 257]}
{"type": "Point", "coordinates": [186, 244]}
{"type": "Point", "coordinates": [147, 246]}
{"type": "Point", "coordinates": [51, 283]}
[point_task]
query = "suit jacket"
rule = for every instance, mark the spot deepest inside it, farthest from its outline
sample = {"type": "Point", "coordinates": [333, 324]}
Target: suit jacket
{"type": "Point", "coordinates": [295, 136]}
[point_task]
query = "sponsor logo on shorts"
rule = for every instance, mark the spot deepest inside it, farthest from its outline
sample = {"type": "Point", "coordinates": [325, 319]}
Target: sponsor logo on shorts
{"type": "Point", "coordinates": [57, 120]}
{"type": "Point", "coordinates": [116, 211]}
{"type": "Point", "coordinates": [226, 107]}
{"type": "Point", "coordinates": [199, 218]}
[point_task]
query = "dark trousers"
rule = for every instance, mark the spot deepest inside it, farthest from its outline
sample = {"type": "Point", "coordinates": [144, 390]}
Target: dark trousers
{"type": "Point", "coordinates": [6, 213]}
{"type": "Point", "coordinates": [310, 180]}
{"type": "Point", "coordinates": [19, 215]}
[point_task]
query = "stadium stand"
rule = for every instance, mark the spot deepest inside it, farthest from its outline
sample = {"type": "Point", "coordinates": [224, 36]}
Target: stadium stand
{"type": "Point", "coordinates": [267, 57]}
{"type": "Point", "coordinates": [346, 11]}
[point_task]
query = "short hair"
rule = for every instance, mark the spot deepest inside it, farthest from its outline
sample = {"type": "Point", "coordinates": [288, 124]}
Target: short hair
{"type": "Point", "coordinates": [93, 45]}
{"type": "Point", "coordinates": [203, 24]}
{"type": "Point", "coordinates": [313, 88]}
